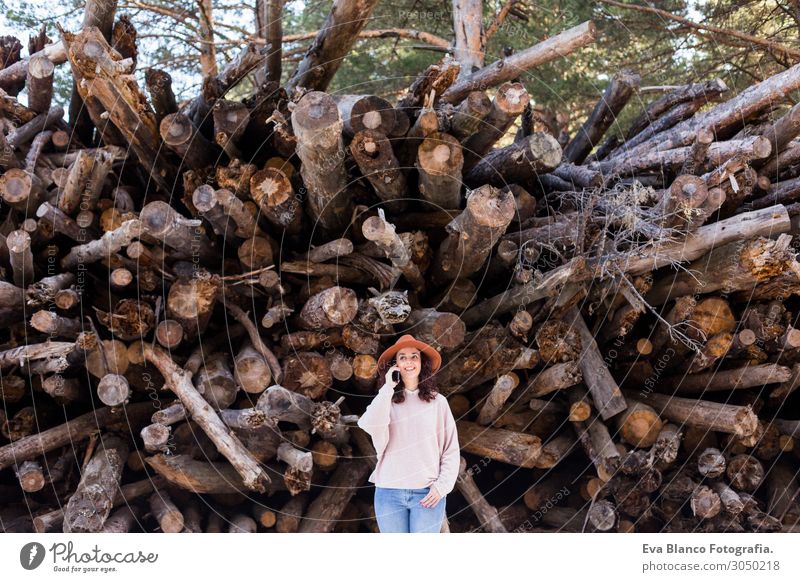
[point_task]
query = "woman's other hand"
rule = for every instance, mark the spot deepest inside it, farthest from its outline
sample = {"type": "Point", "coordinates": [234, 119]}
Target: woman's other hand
{"type": "Point", "coordinates": [431, 499]}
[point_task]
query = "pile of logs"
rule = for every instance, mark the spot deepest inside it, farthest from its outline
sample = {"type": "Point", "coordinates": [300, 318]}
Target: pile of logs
{"type": "Point", "coordinates": [194, 295]}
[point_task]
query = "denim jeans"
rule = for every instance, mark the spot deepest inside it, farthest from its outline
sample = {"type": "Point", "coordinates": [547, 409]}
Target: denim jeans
{"type": "Point", "coordinates": [399, 511]}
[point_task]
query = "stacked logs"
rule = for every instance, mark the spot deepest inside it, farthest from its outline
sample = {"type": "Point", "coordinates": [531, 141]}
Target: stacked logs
{"type": "Point", "coordinates": [203, 290]}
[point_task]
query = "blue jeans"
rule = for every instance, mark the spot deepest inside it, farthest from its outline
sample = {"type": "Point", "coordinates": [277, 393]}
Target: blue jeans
{"type": "Point", "coordinates": [399, 511]}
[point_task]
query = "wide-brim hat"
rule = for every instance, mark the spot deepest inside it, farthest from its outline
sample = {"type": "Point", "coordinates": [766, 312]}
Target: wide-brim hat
{"type": "Point", "coordinates": [409, 341]}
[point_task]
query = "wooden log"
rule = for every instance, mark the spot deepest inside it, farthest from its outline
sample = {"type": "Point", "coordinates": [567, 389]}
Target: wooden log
{"type": "Point", "coordinates": [473, 233]}
{"type": "Point", "coordinates": [21, 257]}
{"type": "Point", "coordinates": [606, 395]}
{"type": "Point", "coordinates": [441, 329]}
{"type": "Point", "coordinates": [731, 502]}
{"type": "Point", "coordinates": [96, 250]}
{"type": "Point", "coordinates": [162, 98]}
{"type": "Point", "coordinates": [382, 233]}
{"type": "Point", "coordinates": [711, 463]}
{"type": "Point", "coordinates": [559, 376]}
{"type": "Point", "coordinates": [327, 508]}
{"type": "Point", "coordinates": [677, 114]}
{"type": "Point", "coordinates": [10, 49]}
{"type": "Point", "coordinates": [722, 116]}
{"type": "Point", "coordinates": [215, 382]}
{"type": "Point", "coordinates": [272, 190]}
{"type": "Point", "coordinates": [126, 494]}
{"type": "Point", "coordinates": [694, 163]}
{"type": "Point", "coordinates": [184, 139]}
{"type": "Point", "coordinates": [180, 383]}
{"type": "Point", "coordinates": [318, 127]}
{"type": "Point", "coordinates": [705, 503]}
{"type": "Point", "coordinates": [556, 450]}
{"type": "Point", "coordinates": [332, 43]}
{"type": "Point", "coordinates": [487, 515]}
{"type": "Point", "coordinates": [63, 390]}
{"type": "Point", "coordinates": [294, 457]}
{"type": "Point", "coordinates": [40, 83]}
{"type": "Point", "coordinates": [495, 400]}
{"type": "Point", "coordinates": [639, 425]}
{"type": "Point", "coordinates": [745, 473]}
{"type": "Point", "coordinates": [291, 513]}
{"type": "Point", "coordinates": [580, 407]}
{"type": "Point", "coordinates": [169, 333]}
{"type": "Point", "coordinates": [366, 112]}
{"type": "Point", "coordinates": [307, 373]}
{"type": "Point", "coordinates": [69, 199]}
{"type": "Point", "coordinates": [203, 477]}
{"type": "Point", "coordinates": [230, 122]}
{"type": "Point", "coordinates": [469, 114]}
{"type": "Point", "coordinates": [25, 133]}
{"type": "Point", "coordinates": [156, 437]}
{"type": "Point", "coordinates": [738, 266]}
{"type": "Point", "coordinates": [703, 92]}
{"type": "Point", "coordinates": [751, 148]}
{"type": "Point", "coordinates": [170, 518]}
{"type": "Point", "coordinates": [21, 190]}
{"type": "Point", "coordinates": [665, 448]}
{"type": "Point", "coordinates": [735, 379]}
{"type": "Point", "coordinates": [373, 153]}
{"type": "Point", "coordinates": [426, 123]}
{"type": "Point", "coordinates": [509, 102]}
{"type": "Point", "coordinates": [251, 370]}
{"type": "Point", "coordinates": [166, 225]}
{"type": "Point", "coordinates": [332, 307]}
{"type": "Point", "coordinates": [122, 520]}
{"type": "Point", "coordinates": [598, 446]}
{"type": "Point", "coordinates": [513, 66]}
{"type": "Point", "coordinates": [91, 504]}
{"type": "Point", "coordinates": [728, 418]}
{"type": "Point", "coordinates": [115, 93]}
{"type": "Point", "coordinates": [242, 524]}
{"type": "Point", "coordinates": [439, 162]}
{"type": "Point", "coordinates": [30, 476]}
{"type": "Point", "coordinates": [514, 448]}
{"type": "Point", "coordinates": [614, 99]}
{"type": "Point", "coordinates": [519, 162]}
{"type": "Point", "coordinates": [191, 302]}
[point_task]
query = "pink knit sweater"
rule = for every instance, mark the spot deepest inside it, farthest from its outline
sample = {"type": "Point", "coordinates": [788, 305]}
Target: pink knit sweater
{"type": "Point", "coordinates": [416, 441]}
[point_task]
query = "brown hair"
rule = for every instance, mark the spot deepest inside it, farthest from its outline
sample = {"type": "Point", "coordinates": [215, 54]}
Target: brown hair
{"type": "Point", "coordinates": [427, 380]}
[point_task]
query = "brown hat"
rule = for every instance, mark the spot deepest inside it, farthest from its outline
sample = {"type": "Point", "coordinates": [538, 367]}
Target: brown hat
{"type": "Point", "coordinates": [408, 341]}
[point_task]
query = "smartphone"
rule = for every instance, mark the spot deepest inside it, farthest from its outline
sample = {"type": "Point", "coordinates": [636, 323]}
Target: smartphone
{"type": "Point", "coordinates": [395, 373]}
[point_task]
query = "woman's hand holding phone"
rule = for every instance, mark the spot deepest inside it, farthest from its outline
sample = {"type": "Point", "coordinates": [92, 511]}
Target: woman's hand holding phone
{"type": "Point", "coordinates": [391, 374]}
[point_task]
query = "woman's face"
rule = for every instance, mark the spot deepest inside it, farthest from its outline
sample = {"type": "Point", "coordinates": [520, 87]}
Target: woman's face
{"type": "Point", "coordinates": [409, 360]}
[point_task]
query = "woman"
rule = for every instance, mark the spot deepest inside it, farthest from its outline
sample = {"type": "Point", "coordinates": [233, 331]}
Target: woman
{"type": "Point", "coordinates": [415, 439]}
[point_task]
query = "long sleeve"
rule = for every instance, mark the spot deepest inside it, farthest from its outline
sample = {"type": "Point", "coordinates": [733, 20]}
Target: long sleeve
{"type": "Point", "coordinates": [451, 455]}
{"type": "Point", "coordinates": [375, 420]}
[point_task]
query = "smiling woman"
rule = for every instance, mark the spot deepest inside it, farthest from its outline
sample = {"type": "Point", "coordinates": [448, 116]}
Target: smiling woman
{"type": "Point", "coordinates": [415, 439]}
